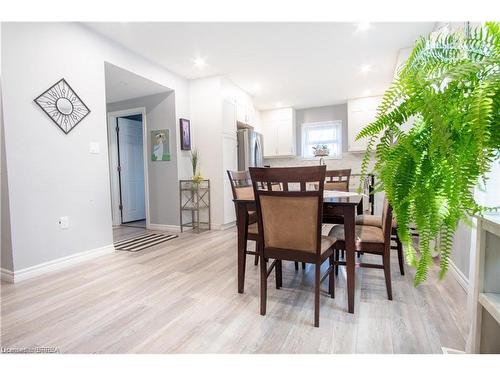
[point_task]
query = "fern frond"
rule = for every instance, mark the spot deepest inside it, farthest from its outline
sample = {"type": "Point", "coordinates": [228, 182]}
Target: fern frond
{"type": "Point", "coordinates": [450, 89]}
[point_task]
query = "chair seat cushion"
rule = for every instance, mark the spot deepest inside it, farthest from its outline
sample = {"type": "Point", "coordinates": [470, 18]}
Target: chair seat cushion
{"type": "Point", "coordinates": [364, 233]}
{"type": "Point", "coordinates": [372, 220]}
{"type": "Point", "coordinates": [326, 243]}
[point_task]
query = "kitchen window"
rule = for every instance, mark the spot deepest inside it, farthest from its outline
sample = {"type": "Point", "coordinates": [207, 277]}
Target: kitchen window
{"type": "Point", "coordinates": [328, 133]}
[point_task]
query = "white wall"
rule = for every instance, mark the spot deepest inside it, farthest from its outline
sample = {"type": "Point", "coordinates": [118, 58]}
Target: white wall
{"type": "Point", "coordinates": [5, 240]}
{"type": "Point", "coordinates": [51, 174]}
{"type": "Point", "coordinates": [206, 118]}
{"type": "Point", "coordinates": [212, 106]}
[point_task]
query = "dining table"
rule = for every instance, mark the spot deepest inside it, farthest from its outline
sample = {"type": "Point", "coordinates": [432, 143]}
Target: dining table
{"type": "Point", "coordinates": [338, 208]}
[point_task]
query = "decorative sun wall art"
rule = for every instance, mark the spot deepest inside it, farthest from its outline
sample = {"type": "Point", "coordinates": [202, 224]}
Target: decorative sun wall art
{"type": "Point", "coordinates": [63, 106]}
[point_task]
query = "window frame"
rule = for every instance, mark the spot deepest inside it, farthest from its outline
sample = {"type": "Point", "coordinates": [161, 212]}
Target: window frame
{"type": "Point", "coordinates": [335, 124]}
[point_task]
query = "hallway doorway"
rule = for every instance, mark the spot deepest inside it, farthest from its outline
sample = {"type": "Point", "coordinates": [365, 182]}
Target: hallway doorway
{"type": "Point", "coordinates": [128, 167]}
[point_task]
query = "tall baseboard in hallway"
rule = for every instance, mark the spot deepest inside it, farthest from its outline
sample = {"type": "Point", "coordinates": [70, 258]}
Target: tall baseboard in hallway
{"type": "Point", "coordinates": [54, 265]}
{"type": "Point", "coordinates": [165, 227]}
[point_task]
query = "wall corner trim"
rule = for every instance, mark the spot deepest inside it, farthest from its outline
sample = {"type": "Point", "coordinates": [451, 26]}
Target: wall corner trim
{"type": "Point", "coordinates": [54, 265]}
{"type": "Point", "coordinates": [462, 280]}
{"type": "Point", "coordinates": [7, 275]}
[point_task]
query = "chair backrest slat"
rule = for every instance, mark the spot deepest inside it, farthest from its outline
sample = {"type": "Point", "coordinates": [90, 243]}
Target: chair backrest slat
{"type": "Point", "coordinates": [338, 179]}
{"type": "Point", "coordinates": [241, 184]}
{"type": "Point", "coordinates": [289, 219]}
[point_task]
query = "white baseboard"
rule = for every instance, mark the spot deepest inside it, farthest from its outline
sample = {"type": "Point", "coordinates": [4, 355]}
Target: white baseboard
{"type": "Point", "coordinates": [56, 264]}
{"type": "Point", "coordinates": [165, 227]}
{"type": "Point", "coordinates": [177, 228]}
{"type": "Point", "coordinates": [7, 275]}
{"type": "Point", "coordinates": [451, 351]}
{"type": "Point", "coordinates": [459, 276]}
{"type": "Point", "coordinates": [223, 226]}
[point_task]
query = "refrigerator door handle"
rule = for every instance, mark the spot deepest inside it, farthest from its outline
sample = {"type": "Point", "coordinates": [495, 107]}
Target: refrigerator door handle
{"type": "Point", "coordinates": [258, 152]}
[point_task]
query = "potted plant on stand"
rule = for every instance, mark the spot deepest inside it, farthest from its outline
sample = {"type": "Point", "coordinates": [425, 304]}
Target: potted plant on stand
{"type": "Point", "coordinates": [195, 197]}
{"type": "Point", "coordinates": [197, 178]}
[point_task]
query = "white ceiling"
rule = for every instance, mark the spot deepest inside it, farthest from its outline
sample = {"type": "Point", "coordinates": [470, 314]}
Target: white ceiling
{"type": "Point", "coordinates": [122, 85]}
{"type": "Point", "coordinates": [297, 64]}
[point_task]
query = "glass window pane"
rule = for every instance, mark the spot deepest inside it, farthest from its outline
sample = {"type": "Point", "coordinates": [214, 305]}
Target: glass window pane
{"type": "Point", "coordinates": [327, 133]}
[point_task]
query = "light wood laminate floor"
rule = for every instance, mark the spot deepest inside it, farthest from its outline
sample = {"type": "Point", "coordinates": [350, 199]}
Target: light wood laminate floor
{"type": "Point", "coordinates": [180, 297]}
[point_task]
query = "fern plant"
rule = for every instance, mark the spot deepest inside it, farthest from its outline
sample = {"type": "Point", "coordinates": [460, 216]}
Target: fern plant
{"type": "Point", "coordinates": [448, 89]}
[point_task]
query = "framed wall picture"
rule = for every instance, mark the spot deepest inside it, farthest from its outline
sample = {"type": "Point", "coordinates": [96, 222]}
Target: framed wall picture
{"type": "Point", "coordinates": [160, 145]}
{"type": "Point", "coordinates": [185, 134]}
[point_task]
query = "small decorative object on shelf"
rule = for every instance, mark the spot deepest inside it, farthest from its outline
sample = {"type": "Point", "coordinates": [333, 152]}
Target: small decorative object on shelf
{"type": "Point", "coordinates": [63, 106]}
{"type": "Point", "coordinates": [195, 198]}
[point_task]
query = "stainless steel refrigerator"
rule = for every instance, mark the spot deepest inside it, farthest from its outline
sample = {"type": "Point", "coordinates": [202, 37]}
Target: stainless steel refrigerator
{"type": "Point", "coordinates": [250, 149]}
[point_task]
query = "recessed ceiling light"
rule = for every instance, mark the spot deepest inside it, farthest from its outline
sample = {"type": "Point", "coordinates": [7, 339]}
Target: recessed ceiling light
{"type": "Point", "coordinates": [199, 62]}
{"type": "Point", "coordinates": [366, 68]}
{"type": "Point", "coordinates": [363, 26]}
{"type": "Point", "coordinates": [279, 104]}
{"type": "Point", "coordinates": [257, 87]}
{"type": "Point", "coordinates": [367, 92]}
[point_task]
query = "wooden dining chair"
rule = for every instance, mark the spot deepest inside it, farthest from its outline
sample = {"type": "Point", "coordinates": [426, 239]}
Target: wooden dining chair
{"type": "Point", "coordinates": [338, 179]}
{"type": "Point", "coordinates": [241, 185]}
{"type": "Point", "coordinates": [370, 239]}
{"type": "Point", "coordinates": [290, 223]}
{"type": "Point", "coordinates": [376, 221]}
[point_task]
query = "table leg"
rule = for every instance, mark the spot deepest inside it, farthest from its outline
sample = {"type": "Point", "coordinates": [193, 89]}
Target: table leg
{"type": "Point", "coordinates": [360, 210]}
{"type": "Point", "coordinates": [349, 228]}
{"type": "Point", "coordinates": [241, 221]}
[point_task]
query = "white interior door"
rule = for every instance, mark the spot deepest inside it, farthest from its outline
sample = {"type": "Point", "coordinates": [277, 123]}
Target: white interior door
{"type": "Point", "coordinates": [130, 140]}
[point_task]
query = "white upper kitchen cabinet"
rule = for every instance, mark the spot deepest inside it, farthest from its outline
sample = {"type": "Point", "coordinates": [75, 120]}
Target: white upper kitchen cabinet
{"type": "Point", "coordinates": [245, 113]}
{"type": "Point", "coordinates": [360, 112]}
{"type": "Point", "coordinates": [241, 113]}
{"type": "Point", "coordinates": [278, 128]}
